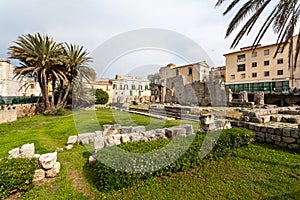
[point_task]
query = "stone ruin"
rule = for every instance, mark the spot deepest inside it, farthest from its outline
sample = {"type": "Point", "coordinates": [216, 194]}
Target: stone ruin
{"type": "Point", "coordinates": [279, 126]}
{"type": "Point", "coordinates": [208, 122]}
{"type": "Point", "coordinates": [116, 134]}
{"type": "Point", "coordinates": [49, 167]}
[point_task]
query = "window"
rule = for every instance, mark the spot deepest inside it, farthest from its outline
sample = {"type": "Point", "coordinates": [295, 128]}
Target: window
{"type": "Point", "coordinates": [254, 64]}
{"type": "Point", "coordinates": [280, 61]}
{"type": "Point", "coordinates": [133, 87]}
{"type": "Point", "coordinates": [146, 87]}
{"type": "Point", "coordinates": [190, 71]}
{"type": "Point", "coordinates": [280, 72]}
{"type": "Point", "coordinates": [130, 92]}
{"type": "Point", "coordinates": [243, 76]}
{"type": "Point", "coordinates": [266, 73]}
{"type": "Point", "coordinates": [241, 58]}
{"type": "Point", "coordinates": [120, 86]}
{"type": "Point", "coordinates": [266, 63]}
{"type": "Point", "coordinates": [32, 86]}
{"type": "Point", "coordinates": [114, 86]}
{"type": "Point", "coordinates": [266, 52]}
{"type": "Point", "coordinates": [254, 75]}
{"type": "Point", "coordinates": [125, 87]}
{"type": "Point", "coordinates": [177, 72]}
{"type": "Point", "coordinates": [241, 68]}
{"type": "Point", "coordinates": [254, 54]}
{"type": "Point", "coordinates": [232, 76]}
{"type": "Point", "coordinates": [280, 50]}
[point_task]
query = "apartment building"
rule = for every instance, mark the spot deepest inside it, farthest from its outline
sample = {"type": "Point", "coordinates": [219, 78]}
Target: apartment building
{"type": "Point", "coordinates": [127, 89]}
{"type": "Point", "coordinates": [260, 70]}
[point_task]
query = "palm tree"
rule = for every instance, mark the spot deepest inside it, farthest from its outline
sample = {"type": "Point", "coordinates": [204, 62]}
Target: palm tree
{"type": "Point", "coordinates": [75, 61]}
{"type": "Point", "coordinates": [40, 57]}
{"type": "Point", "coordinates": [282, 17]}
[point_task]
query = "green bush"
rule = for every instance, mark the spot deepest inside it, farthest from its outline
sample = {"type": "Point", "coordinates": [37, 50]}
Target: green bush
{"type": "Point", "coordinates": [16, 175]}
{"type": "Point", "coordinates": [119, 175]}
{"type": "Point", "coordinates": [101, 96]}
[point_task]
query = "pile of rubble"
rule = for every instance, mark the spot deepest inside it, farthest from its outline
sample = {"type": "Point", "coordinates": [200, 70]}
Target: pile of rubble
{"type": "Point", "coordinates": [49, 167]}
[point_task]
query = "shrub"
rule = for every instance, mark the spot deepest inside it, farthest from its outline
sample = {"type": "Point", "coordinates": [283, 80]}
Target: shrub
{"type": "Point", "coordinates": [101, 96]}
{"type": "Point", "coordinates": [16, 175]}
{"type": "Point", "coordinates": [120, 174]}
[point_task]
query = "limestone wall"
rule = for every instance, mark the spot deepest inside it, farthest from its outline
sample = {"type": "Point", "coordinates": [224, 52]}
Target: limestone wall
{"type": "Point", "coordinates": [288, 137]}
{"type": "Point", "coordinates": [8, 115]}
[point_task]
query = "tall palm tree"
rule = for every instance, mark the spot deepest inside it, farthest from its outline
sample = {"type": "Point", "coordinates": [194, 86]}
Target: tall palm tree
{"type": "Point", "coordinates": [75, 61]}
{"type": "Point", "coordinates": [39, 57]}
{"type": "Point", "coordinates": [282, 16]}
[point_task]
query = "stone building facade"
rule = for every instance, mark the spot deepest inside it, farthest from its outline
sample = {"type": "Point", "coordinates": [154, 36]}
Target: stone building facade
{"type": "Point", "coordinates": [128, 89]}
{"type": "Point", "coordinates": [178, 82]}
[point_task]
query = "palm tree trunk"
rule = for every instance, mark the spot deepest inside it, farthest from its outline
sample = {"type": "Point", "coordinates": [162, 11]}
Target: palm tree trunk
{"type": "Point", "coordinates": [64, 100]}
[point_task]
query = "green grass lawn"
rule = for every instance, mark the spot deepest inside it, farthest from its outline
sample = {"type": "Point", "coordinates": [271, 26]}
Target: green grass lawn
{"type": "Point", "coordinates": [253, 172]}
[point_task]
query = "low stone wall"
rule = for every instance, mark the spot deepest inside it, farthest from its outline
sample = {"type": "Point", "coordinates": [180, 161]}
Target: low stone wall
{"type": "Point", "coordinates": [287, 137]}
{"type": "Point", "coordinates": [117, 134]}
{"type": "Point", "coordinates": [12, 112]}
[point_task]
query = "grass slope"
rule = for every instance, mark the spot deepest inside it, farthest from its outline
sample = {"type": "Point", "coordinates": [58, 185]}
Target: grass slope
{"type": "Point", "coordinates": [253, 172]}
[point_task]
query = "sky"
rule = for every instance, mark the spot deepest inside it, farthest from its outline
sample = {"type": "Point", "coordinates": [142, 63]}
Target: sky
{"type": "Point", "coordinates": [96, 23]}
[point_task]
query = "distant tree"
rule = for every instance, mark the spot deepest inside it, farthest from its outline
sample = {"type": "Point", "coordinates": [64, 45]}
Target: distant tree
{"type": "Point", "coordinates": [282, 16]}
{"type": "Point", "coordinates": [101, 96]}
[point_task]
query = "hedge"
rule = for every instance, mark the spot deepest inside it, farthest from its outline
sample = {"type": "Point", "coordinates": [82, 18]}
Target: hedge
{"type": "Point", "coordinates": [16, 175]}
{"type": "Point", "coordinates": [128, 169]}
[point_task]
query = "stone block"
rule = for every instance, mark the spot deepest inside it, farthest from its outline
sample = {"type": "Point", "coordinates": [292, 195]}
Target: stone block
{"type": "Point", "coordinates": [261, 135]}
{"type": "Point", "coordinates": [256, 119]}
{"type": "Point", "coordinates": [288, 140]}
{"type": "Point", "coordinates": [27, 151]}
{"type": "Point", "coordinates": [48, 160]}
{"type": "Point", "coordinates": [99, 143]}
{"type": "Point", "coordinates": [179, 132]}
{"type": "Point", "coordinates": [293, 146]}
{"type": "Point", "coordinates": [259, 139]}
{"type": "Point", "coordinates": [126, 129]}
{"type": "Point", "coordinates": [257, 127]}
{"type": "Point", "coordinates": [109, 141]}
{"type": "Point", "coordinates": [111, 132]}
{"type": "Point", "coordinates": [264, 129]}
{"type": "Point", "coordinates": [280, 144]}
{"type": "Point", "coordinates": [125, 138]}
{"type": "Point", "coordinates": [107, 127]}
{"type": "Point", "coordinates": [276, 118]}
{"type": "Point", "coordinates": [138, 129]}
{"type": "Point", "coordinates": [14, 153]}
{"type": "Point", "coordinates": [72, 139]}
{"type": "Point", "coordinates": [188, 128]}
{"type": "Point", "coordinates": [265, 119]}
{"type": "Point", "coordinates": [86, 137]}
{"type": "Point", "coordinates": [98, 133]}
{"type": "Point", "coordinates": [117, 139]}
{"type": "Point", "coordinates": [278, 131]}
{"type": "Point", "coordinates": [51, 173]}
{"type": "Point", "coordinates": [39, 174]}
{"type": "Point", "coordinates": [69, 147]}
{"type": "Point", "coordinates": [295, 133]}
{"type": "Point", "coordinates": [276, 138]}
{"type": "Point", "coordinates": [286, 131]}
{"type": "Point", "coordinates": [271, 130]}
{"type": "Point", "coordinates": [252, 127]}
{"type": "Point", "coordinates": [246, 118]}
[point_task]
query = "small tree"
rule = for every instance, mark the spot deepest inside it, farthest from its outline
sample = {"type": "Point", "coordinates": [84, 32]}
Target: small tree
{"type": "Point", "coordinates": [101, 96]}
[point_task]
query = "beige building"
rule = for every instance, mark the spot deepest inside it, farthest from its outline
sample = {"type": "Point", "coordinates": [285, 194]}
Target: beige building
{"type": "Point", "coordinates": [106, 85]}
{"type": "Point", "coordinates": [174, 77]}
{"type": "Point", "coordinates": [261, 70]}
{"type": "Point", "coordinates": [218, 73]}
